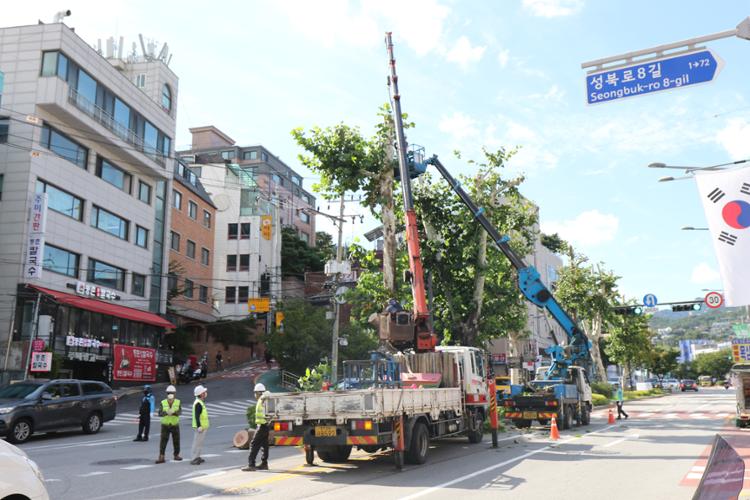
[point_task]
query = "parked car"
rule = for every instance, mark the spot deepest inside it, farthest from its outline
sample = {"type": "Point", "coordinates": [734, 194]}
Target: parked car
{"type": "Point", "coordinates": [37, 406]}
{"type": "Point", "coordinates": [21, 477]}
{"type": "Point", "coordinates": [688, 385]}
{"type": "Point", "coordinates": [671, 384]}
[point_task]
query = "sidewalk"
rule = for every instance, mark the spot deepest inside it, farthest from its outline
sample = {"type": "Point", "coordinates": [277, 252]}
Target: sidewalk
{"type": "Point", "coordinates": [124, 392]}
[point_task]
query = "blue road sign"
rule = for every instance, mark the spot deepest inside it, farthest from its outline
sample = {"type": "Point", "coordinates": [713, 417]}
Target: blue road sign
{"type": "Point", "coordinates": [652, 76]}
{"type": "Point", "coordinates": [649, 300]}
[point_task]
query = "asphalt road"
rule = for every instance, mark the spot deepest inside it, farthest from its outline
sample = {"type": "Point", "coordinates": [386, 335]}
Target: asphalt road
{"type": "Point", "coordinates": [658, 452]}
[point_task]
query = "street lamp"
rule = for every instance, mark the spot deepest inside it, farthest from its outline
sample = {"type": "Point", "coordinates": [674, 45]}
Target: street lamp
{"type": "Point", "coordinates": [694, 169]}
{"type": "Point", "coordinates": [691, 228]}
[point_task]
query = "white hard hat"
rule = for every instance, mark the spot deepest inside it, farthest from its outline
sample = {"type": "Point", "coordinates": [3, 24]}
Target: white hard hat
{"type": "Point", "coordinates": [199, 390]}
{"type": "Point", "coordinates": [171, 388]}
{"type": "Point", "coordinates": [259, 388]}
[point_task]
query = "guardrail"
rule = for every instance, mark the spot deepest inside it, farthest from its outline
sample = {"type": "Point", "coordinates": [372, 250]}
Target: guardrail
{"type": "Point", "coordinates": [289, 380]}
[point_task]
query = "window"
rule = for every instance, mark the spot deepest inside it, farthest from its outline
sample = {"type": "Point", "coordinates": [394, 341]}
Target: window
{"type": "Point", "coordinates": [231, 263]}
{"type": "Point", "coordinates": [206, 217]}
{"type": "Point", "coordinates": [95, 388]}
{"type": "Point", "coordinates": [109, 222]}
{"type": "Point", "coordinates": [112, 174]}
{"type": "Point", "coordinates": [232, 231]}
{"type": "Point", "coordinates": [204, 256]}
{"type": "Point", "coordinates": [60, 261]}
{"type": "Point", "coordinates": [203, 294]}
{"type": "Point", "coordinates": [138, 286]}
{"type": "Point", "coordinates": [4, 129]}
{"type": "Point", "coordinates": [175, 242]}
{"type": "Point", "coordinates": [150, 138]}
{"type": "Point", "coordinates": [172, 282]}
{"type": "Point", "coordinates": [61, 201]}
{"type": "Point", "coordinates": [230, 295]}
{"type": "Point", "coordinates": [64, 147]}
{"type": "Point", "coordinates": [177, 199]}
{"type": "Point", "coordinates": [277, 179]}
{"type": "Point", "coordinates": [193, 210]}
{"type": "Point", "coordinates": [106, 275]}
{"type": "Point", "coordinates": [190, 249]}
{"type": "Point", "coordinates": [304, 237]}
{"type": "Point", "coordinates": [245, 231]}
{"type": "Point", "coordinates": [250, 155]}
{"type": "Point", "coordinates": [166, 97]}
{"type": "Point", "coordinates": [49, 64]}
{"type": "Point", "coordinates": [297, 180]}
{"type": "Point", "coordinates": [242, 294]}
{"type": "Point", "coordinates": [245, 262]}
{"type": "Point", "coordinates": [140, 80]}
{"type": "Point", "coordinates": [188, 291]}
{"type": "Point", "coordinates": [86, 87]}
{"type": "Point", "coordinates": [264, 156]}
{"type": "Point", "coordinates": [227, 155]}
{"type": "Point", "coordinates": [122, 117]}
{"type": "Point", "coordinates": [144, 192]}
{"type": "Point", "coordinates": [141, 236]}
{"type": "Point", "coordinates": [304, 217]}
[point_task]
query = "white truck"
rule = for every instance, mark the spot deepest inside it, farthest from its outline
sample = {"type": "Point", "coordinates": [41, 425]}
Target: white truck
{"type": "Point", "coordinates": [741, 380]}
{"type": "Point", "coordinates": [397, 410]}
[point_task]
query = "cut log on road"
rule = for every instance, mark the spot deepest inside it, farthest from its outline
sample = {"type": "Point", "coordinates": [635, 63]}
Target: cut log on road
{"type": "Point", "coordinates": [242, 439]}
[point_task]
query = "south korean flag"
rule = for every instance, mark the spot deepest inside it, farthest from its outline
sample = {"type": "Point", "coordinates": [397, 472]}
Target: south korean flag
{"type": "Point", "coordinates": [726, 201]}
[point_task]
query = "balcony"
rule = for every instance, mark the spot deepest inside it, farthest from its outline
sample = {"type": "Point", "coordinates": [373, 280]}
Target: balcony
{"type": "Point", "coordinates": [108, 121]}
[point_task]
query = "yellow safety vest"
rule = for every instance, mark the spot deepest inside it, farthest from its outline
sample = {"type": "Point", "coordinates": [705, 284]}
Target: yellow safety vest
{"type": "Point", "coordinates": [170, 419]}
{"type": "Point", "coordinates": [204, 414]}
{"type": "Point", "coordinates": [260, 415]}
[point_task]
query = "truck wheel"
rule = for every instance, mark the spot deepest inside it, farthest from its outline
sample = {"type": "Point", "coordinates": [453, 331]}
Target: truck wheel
{"type": "Point", "coordinates": [543, 422]}
{"type": "Point", "coordinates": [568, 418]}
{"type": "Point", "coordinates": [586, 415]}
{"type": "Point", "coordinates": [309, 455]}
{"type": "Point", "coordinates": [420, 443]}
{"type": "Point", "coordinates": [398, 458]}
{"type": "Point", "coordinates": [334, 454]}
{"type": "Point", "coordinates": [475, 436]}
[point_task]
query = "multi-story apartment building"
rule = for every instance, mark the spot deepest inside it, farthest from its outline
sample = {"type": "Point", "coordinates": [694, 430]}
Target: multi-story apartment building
{"type": "Point", "coordinates": [191, 243]}
{"type": "Point", "coordinates": [93, 135]}
{"type": "Point", "coordinates": [275, 179]}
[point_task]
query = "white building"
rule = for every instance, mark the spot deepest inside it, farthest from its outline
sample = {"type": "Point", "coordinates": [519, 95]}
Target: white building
{"type": "Point", "coordinates": [247, 242]}
{"type": "Point", "coordinates": [95, 134]}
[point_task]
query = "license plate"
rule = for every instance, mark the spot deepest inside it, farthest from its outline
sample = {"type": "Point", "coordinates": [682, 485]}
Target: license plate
{"type": "Point", "coordinates": [325, 431]}
{"type": "Point", "coordinates": [529, 415]}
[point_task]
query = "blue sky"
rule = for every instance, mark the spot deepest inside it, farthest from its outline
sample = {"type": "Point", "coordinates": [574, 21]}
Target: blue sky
{"type": "Point", "coordinates": [472, 74]}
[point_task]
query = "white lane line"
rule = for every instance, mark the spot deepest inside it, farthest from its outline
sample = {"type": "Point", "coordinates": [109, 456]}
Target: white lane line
{"type": "Point", "coordinates": [136, 467]}
{"type": "Point", "coordinates": [236, 451]}
{"type": "Point", "coordinates": [95, 473]}
{"type": "Point", "coordinates": [694, 475]}
{"type": "Point", "coordinates": [210, 455]}
{"type": "Point", "coordinates": [231, 425]}
{"type": "Point", "coordinates": [163, 485]}
{"type": "Point", "coordinates": [75, 445]}
{"type": "Point", "coordinates": [698, 468]}
{"type": "Point", "coordinates": [492, 467]}
{"type": "Point", "coordinates": [618, 441]}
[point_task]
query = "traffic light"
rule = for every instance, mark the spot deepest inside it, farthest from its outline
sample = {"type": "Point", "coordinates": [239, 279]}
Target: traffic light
{"type": "Point", "coordinates": [629, 310]}
{"type": "Point", "coordinates": [693, 306]}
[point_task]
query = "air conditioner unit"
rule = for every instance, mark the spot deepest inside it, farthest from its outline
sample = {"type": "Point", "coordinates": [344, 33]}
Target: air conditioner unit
{"type": "Point", "coordinates": [333, 267]}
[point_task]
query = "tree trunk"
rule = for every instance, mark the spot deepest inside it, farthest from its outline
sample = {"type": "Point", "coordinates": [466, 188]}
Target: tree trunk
{"type": "Point", "coordinates": [471, 325]}
{"type": "Point", "coordinates": [517, 375]}
{"type": "Point", "coordinates": [593, 333]}
{"type": "Point", "coordinates": [389, 230]}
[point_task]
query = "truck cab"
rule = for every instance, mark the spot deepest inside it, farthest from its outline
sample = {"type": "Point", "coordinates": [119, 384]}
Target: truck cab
{"type": "Point", "coordinates": [472, 365]}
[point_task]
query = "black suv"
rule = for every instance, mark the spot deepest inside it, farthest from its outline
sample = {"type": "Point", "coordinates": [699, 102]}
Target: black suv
{"type": "Point", "coordinates": [37, 406]}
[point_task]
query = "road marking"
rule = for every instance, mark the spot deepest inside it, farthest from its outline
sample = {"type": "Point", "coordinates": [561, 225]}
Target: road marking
{"type": "Point", "coordinates": [231, 425]}
{"type": "Point", "coordinates": [95, 473]}
{"type": "Point", "coordinates": [73, 445]}
{"type": "Point", "coordinates": [210, 455]}
{"type": "Point", "coordinates": [137, 467]}
{"type": "Point", "coordinates": [53, 480]}
{"type": "Point", "coordinates": [694, 475]}
{"type": "Point", "coordinates": [236, 451]}
{"type": "Point", "coordinates": [618, 441]}
{"type": "Point", "coordinates": [493, 467]}
{"type": "Point", "coordinates": [205, 473]}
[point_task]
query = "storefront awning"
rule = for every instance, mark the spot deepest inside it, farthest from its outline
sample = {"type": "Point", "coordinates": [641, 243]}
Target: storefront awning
{"type": "Point", "coordinates": [102, 307]}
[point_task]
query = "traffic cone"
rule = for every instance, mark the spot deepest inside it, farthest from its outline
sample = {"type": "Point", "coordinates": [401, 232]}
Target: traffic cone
{"type": "Point", "coordinates": [554, 434]}
{"type": "Point", "coordinates": [611, 419]}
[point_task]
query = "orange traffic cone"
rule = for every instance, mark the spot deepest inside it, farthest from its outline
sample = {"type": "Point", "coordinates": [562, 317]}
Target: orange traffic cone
{"type": "Point", "coordinates": [611, 419]}
{"type": "Point", "coordinates": [554, 434]}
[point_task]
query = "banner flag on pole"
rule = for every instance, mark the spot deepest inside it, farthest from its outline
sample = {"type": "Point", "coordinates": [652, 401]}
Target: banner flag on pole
{"type": "Point", "coordinates": [726, 200]}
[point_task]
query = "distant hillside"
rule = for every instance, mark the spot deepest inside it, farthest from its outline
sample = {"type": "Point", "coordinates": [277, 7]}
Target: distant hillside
{"type": "Point", "coordinates": [714, 324]}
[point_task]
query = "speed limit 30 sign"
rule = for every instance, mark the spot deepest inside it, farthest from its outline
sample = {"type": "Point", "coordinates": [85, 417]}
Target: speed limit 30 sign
{"type": "Point", "coordinates": [714, 300]}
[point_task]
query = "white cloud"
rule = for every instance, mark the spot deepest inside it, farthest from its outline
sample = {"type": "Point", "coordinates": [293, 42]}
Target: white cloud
{"type": "Point", "coordinates": [735, 138]}
{"type": "Point", "coordinates": [459, 126]}
{"type": "Point", "coordinates": [587, 229]}
{"type": "Point", "coordinates": [703, 274]}
{"type": "Point", "coordinates": [503, 57]}
{"type": "Point", "coordinates": [553, 8]}
{"type": "Point", "coordinates": [464, 54]}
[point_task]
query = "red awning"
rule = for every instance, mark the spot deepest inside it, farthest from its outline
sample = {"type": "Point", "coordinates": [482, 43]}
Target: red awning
{"type": "Point", "coordinates": [105, 308]}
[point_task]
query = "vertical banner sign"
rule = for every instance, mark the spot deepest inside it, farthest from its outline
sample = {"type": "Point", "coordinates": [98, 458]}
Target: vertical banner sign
{"type": "Point", "coordinates": [35, 242]}
{"type": "Point", "coordinates": [136, 364]}
{"type": "Point", "coordinates": [266, 224]}
{"type": "Point", "coordinates": [41, 362]}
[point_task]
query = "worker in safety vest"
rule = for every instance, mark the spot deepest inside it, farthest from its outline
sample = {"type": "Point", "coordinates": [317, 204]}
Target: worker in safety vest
{"type": "Point", "coordinates": [260, 439]}
{"type": "Point", "coordinates": [169, 411]}
{"type": "Point", "coordinates": [200, 423]}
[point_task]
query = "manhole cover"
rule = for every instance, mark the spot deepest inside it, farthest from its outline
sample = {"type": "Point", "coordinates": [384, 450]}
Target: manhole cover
{"type": "Point", "coordinates": [241, 491]}
{"type": "Point", "coordinates": [125, 461]}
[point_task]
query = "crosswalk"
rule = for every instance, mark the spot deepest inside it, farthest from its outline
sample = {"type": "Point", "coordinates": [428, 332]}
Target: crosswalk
{"type": "Point", "coordinates": [223, 408]}
{"type": "Point", "coordinates": [680, 415]}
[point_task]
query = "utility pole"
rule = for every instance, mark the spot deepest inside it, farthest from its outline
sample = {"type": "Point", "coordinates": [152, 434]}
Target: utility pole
{"type": "Point", "coordinates": [336, 306]}
{"type": "Point", "coordinates": [34, 331]}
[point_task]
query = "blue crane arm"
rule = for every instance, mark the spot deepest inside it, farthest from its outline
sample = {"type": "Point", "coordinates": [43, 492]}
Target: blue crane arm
{"type": "Point", "coordinates": [577, 352]}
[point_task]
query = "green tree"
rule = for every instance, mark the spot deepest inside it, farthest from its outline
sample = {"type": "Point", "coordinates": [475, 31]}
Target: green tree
{"type": "Point", "coordinates": [240, 332]}
{"type": "Point", "coordinates": [686, 370]}
{"type": "Point", "coordinates": [324, 246]}
{"type": "Point", "coordinates": [306, 338]}
{"type": "Point", "coordinates": [663, 361]}
{"type": "Point", "coordinates": [297, 257]}
{"type": "Point", "coordinates": [716, 364]}
{"type": "Point", "coordinates": [629, 342]}
{"type": "Point", "coordinates": [587, 293]}
{"type": "Point", "coordinates": [475, 293]}
{"type": "Point", "coordinates": [554, 243]}
{"type": "Point", "coordinates": [347, 161]}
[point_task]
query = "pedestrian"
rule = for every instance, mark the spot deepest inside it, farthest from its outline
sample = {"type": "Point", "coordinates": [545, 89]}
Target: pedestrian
{"type": "Point", "coordinates": [268, 358]}
{"type": "Point", "coordinates": [260, 439]}
{"type": "Point", "coordinates": [218, 361]}
{"type": "Point", "coordinates": [144, 414]}
{"type": "Point", "coordinates": [620, 399]}
{"type": "Point", "coordinates": [200, 423]}
{"type": "Point", "coordinates": [169, 411]}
